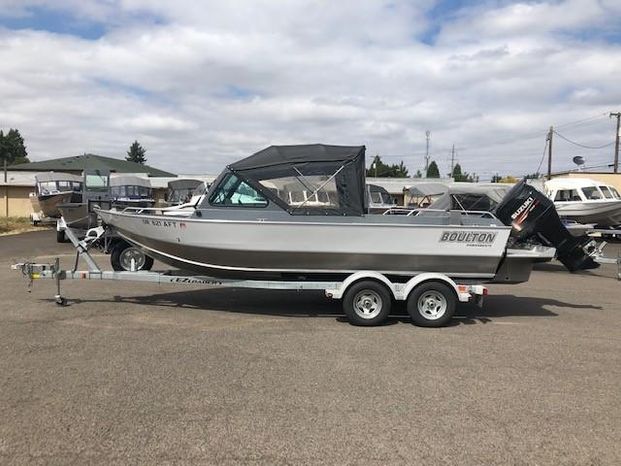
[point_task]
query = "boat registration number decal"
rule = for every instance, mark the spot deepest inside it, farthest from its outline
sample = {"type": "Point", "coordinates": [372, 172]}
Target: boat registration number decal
{"type": "Point", "coordinates": [469, 238]}
{"type": "Point", "coordinates": [164, 223]}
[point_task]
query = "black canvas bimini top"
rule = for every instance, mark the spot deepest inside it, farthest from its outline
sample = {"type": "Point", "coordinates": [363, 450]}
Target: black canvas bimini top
{"type": "Point", "coordinates": [283, 155]}
{"type": "Point", "coordinates": [344, 164]}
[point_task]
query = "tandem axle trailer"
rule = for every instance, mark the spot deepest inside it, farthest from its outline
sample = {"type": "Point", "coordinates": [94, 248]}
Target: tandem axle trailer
{"type": "Point", "coordinates": [367, 296]}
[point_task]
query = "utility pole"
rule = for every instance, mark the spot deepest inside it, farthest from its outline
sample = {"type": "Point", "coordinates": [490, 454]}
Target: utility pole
{"type": "Point", "coordinates": [6, 190]}
{"type": "Point", "coordinates": [452, 160]}
{"type": "Point", "coordinates": [616, 165]}
{"type": "Point", "coordinates": [428, 136]}
{"type": "Point", "coordinates": [549, 139]}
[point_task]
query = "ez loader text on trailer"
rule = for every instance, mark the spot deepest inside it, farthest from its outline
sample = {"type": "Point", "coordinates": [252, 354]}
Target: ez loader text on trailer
{"type": "Point", "coordinates": [366, 295]}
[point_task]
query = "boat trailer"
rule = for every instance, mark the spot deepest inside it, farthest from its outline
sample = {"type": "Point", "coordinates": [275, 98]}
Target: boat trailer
{"type": "Point", "coordinates": [366, 295]}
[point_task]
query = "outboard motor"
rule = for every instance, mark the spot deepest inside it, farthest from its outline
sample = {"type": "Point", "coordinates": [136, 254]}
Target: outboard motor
{"type": "Point", "coordinates": [531, 214]}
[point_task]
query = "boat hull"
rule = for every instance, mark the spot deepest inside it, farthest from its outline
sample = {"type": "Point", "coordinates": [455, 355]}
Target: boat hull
{"type": "Point", "coordinates": [602, 213]}
{"type": "Point", "coordinates": [77, 215]}
{"type": "Point", "coordinates": [48, 203]}
{"type": "Point", "coordinates": [282, 249]}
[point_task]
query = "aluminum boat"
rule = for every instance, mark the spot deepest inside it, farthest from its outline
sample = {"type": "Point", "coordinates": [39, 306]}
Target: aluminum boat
{"type": "Point", "coordinates": [130, 191]}
{"type": "Point", "coordinates": [79, 214]}
{"type": "Point", "coordinates": [585, 201]}
{"type": "Point", "coordinates": [52, 189]}
{"type": "Point", "coordinates": [249, 225]}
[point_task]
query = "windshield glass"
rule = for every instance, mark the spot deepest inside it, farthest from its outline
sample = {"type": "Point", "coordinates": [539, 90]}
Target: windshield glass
{"type": "Point", "coordinates": [592, 193]}
{"type": "Point", "coordinates": [566, 195]}
{"type": "Point", "coordinates": [130, 191]}
{"type": "Point", "coordinates": [236, 193]}
{"type": "Point", "coordinates": [607, 193]}
{"type": "Point", "coordinates": [96, 182]}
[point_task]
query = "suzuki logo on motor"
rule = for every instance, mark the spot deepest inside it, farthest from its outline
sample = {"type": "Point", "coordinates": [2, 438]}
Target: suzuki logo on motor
{"type": "Point", "coordinates": [467, 237]}
{"type": "Point", "coordinates": [522, 208]}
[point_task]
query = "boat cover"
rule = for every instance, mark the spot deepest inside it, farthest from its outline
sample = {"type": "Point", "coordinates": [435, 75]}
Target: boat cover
{"type": "Point", "coordinates": [471, 196]}
{"type": "Point", "coordinates": [344, 163]}
{"type": "Point", "coordinates": [183, 184]}
{"type": "Point", "coordinates": [129, 180]}
{"type": "Point", "coordinates": [428, 188]}
{"type": "Point", "coordinates": [57, 176]}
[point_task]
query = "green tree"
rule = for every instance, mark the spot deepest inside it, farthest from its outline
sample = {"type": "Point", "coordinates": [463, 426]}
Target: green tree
{"type": "Point", "coordinates": [380, 169]}
{"type": "Point", "coordinates": [432, 170]}
{"type": "Point", "coordinates": [401, 171]}
{"type": "Point", "coordinates": [457, 175]}
{"type": "Point", "coordinates": [533, 176]}
{"type": "Point", "coordinates": [418, 174]}
{"type": "Point", "coordinates": [12, 148]}
{"type": "Point", "coordinates": [496, 178]}
{"type": "Point", "coordinates": [136, 153]}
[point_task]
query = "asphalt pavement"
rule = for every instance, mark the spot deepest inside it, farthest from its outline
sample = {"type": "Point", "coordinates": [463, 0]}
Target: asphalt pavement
{"type": "Point", "coordinates": [141, 373]}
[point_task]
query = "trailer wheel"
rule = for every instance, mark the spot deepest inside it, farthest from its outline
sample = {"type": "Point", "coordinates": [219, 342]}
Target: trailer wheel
{"type": "Point", "coordinates": [60, 236]}
{"type": "Point", "coordinates": [122, 255]}
{"type": "Point", "coordinates": [431, 304]}
{"type": "Point", "coordinates": [367, 303]}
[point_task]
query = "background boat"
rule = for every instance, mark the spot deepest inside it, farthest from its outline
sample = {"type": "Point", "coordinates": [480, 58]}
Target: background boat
{"type": "Point", "coordinates": [585, 201]}
{"type": "Point", "coordinates": [52, 189]}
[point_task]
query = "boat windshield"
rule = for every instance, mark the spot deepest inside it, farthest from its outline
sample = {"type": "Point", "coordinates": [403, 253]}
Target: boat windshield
{"type": "Point", "coordinates": [50, 187]}
{"type": "Point", "coordinates": [592, 193]}
{"type": "Point", "coordinates": [614, 192]}
{"type": "Point", "coordinates": [606, 191]}
{"type": "Point", "coordinates": [96, 182]}
{"type": "Point", "coordinates": [232, 191]}
{"type": "Point", "coordinates": [567, 195]}
{"type": "Point", "coordinates": [130, 191]}
{"type": "Point", "coordinates": [381, 197]}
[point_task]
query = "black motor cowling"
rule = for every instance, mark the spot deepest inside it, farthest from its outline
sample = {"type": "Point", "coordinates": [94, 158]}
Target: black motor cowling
{"type": "Point", "coordinates": [531, 214]}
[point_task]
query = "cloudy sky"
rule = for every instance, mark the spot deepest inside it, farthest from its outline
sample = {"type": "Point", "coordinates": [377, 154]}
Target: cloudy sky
{"type": "Point", "coordinates": [201, 84]}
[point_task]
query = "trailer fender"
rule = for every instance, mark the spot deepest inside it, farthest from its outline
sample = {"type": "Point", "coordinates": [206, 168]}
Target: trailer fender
{"type": "Point", "coordinates": [462, 292]}
{"type": "Point", "coordinates": [338, 292]}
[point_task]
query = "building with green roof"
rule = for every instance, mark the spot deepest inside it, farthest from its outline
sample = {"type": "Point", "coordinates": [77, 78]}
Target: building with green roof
{"type": "Point", "coordinates": [77, 164]}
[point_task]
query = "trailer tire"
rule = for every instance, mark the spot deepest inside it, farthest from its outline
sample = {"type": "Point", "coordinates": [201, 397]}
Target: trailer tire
{"type": "Point", "coordinates": [432, 304]}
{"type": "Point", "coordinates": [367, 303]}
{"type": "Point", "coordinates": [121, 255]}
{"type": "Point", "coordinates": [60, 236]}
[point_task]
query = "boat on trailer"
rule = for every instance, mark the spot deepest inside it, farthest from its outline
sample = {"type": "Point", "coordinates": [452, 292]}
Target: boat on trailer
{"type": "Point", "coordinates": [250, 232]}
{"type": "Point", "coordinates": [52, 189]}
{"type": "Point", "coordinates": [249, 226]}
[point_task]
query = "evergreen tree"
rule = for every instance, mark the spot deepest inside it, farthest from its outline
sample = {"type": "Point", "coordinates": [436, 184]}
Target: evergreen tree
{"type": "Point", "coordinates": [432, 170]}
{"type": "Point", "coordinates": [380, 169]}
{"type": "Point", "coordinates": [12, 148]}
{"type": "Point", "coordinates": [457, 175]}
{"type": "Point", "coordinates": [400, 171]}
{"type": "Point", "coordinates": [136, 153]}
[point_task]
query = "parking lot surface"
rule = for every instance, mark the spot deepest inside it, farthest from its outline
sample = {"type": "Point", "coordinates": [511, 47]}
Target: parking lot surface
{"type": "Point", "coordinates": [143, 373]}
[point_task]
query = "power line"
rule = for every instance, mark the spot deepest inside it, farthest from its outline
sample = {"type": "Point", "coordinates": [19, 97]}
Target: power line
{"type": "Point", "coordinates": [543, 156]}
{"type": "Point", "coordinates": [584, 146]}
{"type": "Point", "coordinates": [584, 120]}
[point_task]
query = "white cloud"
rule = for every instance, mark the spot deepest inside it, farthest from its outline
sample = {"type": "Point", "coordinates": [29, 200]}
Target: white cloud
{"type": "Point", "coordinates": [209, 82]}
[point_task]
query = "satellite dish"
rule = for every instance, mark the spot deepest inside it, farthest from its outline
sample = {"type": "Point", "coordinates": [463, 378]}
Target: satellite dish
{"type": "Point", "coordinates": [578, 160]}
